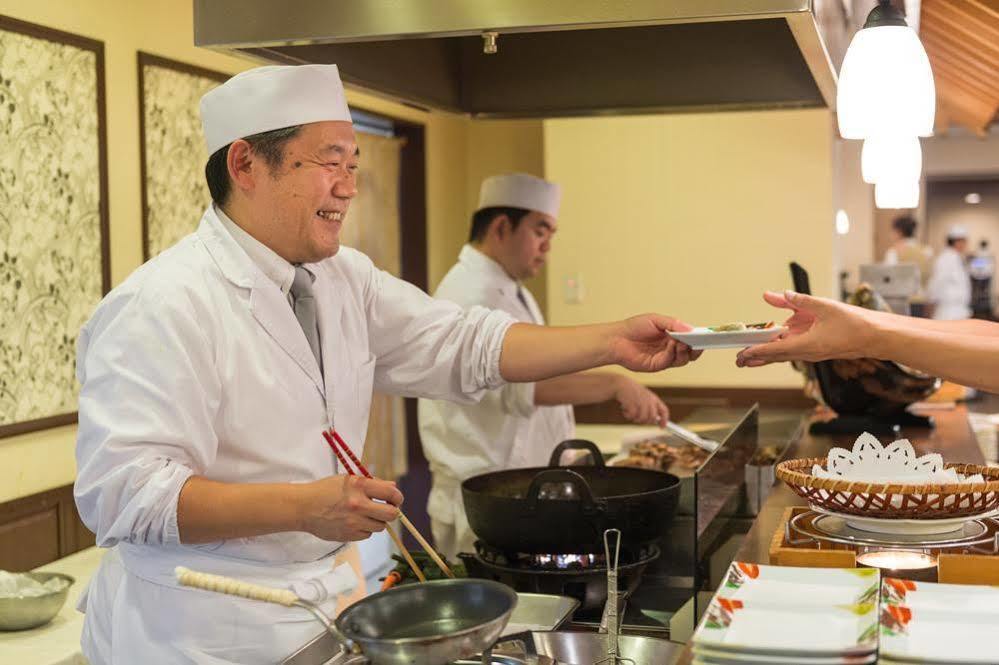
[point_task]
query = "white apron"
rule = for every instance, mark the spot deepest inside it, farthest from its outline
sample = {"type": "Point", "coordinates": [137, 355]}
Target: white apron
{"type": "Point", "coordinates": [197, 365]}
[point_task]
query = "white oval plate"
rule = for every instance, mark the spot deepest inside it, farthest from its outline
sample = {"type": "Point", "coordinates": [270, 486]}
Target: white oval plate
{"type": "Point", "coordinates": [902, 526]}
{"type": "Point", "coordinates": [703, 338]}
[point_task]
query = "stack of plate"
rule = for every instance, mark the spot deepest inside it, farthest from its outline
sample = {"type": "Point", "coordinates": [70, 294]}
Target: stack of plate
{"type": "Point", "coordinates": [922, 622]}
{"type": "Point", "coordinates": [775, 615]}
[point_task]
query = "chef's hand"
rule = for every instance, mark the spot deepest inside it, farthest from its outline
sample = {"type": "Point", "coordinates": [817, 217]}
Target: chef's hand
{"type": "Point", "coordinates": [638, 403]}
{"type": "Point", "coordinates": [819, 329]}
{"type": "Point", "coordinates": [346, 508]}
{"type": "Point", "coordinates": [642, 343]}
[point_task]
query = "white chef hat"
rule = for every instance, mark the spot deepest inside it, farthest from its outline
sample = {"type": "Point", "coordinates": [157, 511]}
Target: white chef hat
{"type": "Point", "coordinates": [266, 98]}
{"type": "Point", "coordinates": [957, 232]}
{"type": "Point", "coordinates": [519, 190]}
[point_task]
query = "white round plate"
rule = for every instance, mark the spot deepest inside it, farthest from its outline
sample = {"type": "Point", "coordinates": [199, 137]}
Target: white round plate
{"type": "Point", "coordinates": [904, 526]}
{"type": "Point", "coordinates": [703, 338]}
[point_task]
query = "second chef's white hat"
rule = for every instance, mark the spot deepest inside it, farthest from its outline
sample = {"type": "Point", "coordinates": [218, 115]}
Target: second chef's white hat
{"type": "Point", "coordinates": [267, 98]}
{"type": "Point", "coordinates": [519, 190]}
{"type": "Point", "coordinates": [957, 232]}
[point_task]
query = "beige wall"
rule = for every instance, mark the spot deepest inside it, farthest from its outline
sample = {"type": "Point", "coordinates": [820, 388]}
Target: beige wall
{"type": "Point", "coordinates": [691, 215]}
{"type": "Point", "coordinates": [504, 146]}
{"type": "Point", "coordinates": [961, 154]}
{"type": "Point", "coordinates": [40, 461]}
{"type": "Point", "coordinates": [856, 197]}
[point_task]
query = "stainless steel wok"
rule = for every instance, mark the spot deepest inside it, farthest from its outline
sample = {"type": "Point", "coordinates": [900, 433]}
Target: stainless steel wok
{"type": "Point", "coordinates": [433, 623]}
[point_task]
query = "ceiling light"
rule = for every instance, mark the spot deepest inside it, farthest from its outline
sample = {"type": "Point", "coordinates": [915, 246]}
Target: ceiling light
{"type": "Point", "coordinates": [842, 222]}
{"type": "Point", "coordinates": [891, 158]}
{"type": "Point", "coordinates": [974, 198]}
{"type": "Point", "coordinates": [896, 194]}
{"type": "Point", "coordinates": [885, 84]}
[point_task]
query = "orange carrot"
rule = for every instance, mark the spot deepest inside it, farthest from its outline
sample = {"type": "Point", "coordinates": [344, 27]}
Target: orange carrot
{"type": "Point", "coordinates": [391, 580]}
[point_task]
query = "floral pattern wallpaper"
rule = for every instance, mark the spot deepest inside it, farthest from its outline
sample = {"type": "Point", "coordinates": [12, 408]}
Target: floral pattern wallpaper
{"type": "Point", "coordinates": [51, 232]}
{"type": "Point", "coordinates": [174, 158]}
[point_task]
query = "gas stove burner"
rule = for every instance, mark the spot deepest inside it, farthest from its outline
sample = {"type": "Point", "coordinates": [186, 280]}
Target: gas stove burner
{"type": "Point", "coordinates": [565, 561]}
{"type": "Point", "coordinates": [569, 562]}
{"type": "Point", "coordinates": [533, 573]}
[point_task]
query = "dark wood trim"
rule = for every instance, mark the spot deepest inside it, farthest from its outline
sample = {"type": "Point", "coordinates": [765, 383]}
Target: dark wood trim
{"type": "Point", "coordinates": [50, 34]}
{"type": "Point", "coordinates": [67, 535]}
{"type": "Point", "coordinates": [683, 400]}
{"type": "Point", "coordinates": [142, 60]}
{"type": "Point", "coordinates": [60, 37]}
{"type": "Point", "coordinates": [38, 424]}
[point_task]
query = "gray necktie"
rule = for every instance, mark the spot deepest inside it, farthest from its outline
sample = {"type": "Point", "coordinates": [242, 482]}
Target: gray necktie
{"type": "Point", "coordinates": [523, 301]}
{"type": "Point", "coordinates": [304, 304]}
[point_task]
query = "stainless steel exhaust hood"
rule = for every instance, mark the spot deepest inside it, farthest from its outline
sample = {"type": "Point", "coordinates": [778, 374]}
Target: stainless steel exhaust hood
{"type": "Point", "coordinates": [552, 57]}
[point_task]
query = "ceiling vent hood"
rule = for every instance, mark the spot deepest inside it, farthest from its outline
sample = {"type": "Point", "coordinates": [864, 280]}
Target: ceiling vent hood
{"type": "Point", "coordinates": [552, 57]}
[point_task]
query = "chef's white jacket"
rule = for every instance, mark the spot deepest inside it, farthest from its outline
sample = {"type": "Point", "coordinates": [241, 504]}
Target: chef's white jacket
{"type": "Point", "coordinates": [950, 286]}
{"type": "Point", "coordinates": [503, 430]}
{"type": "Point", "coordinates": [196, 364]}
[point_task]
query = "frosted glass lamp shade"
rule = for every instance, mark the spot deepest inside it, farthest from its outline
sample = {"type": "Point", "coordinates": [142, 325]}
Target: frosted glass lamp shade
{"type": "Point", "coordinates": [891, 158]}
{"type": "Point", "coordinates": [896, 194]}
{"type": "Point", "coordinates": [885, 85]}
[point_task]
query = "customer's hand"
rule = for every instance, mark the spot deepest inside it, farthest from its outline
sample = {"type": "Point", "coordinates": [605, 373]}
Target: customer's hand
{"type": "Point", "coordinates": [818, 329]}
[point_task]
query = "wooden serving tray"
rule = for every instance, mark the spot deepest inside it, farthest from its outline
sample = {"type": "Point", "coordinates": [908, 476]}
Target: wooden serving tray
{"type": "Point", "coordinates": [953, 567]}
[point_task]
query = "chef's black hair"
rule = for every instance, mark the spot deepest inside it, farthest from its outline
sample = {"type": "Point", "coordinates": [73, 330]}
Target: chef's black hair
{"type": "Point", "coordinates": [269, 145]}
{"type": "Point", "coordinates": [484, 217]}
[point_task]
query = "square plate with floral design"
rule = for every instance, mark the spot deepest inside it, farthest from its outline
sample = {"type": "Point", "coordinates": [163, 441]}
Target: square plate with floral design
{"type": "Point", "coordinates": [923, 622]}
{"type": "Point", "coordinates": [793, 611]}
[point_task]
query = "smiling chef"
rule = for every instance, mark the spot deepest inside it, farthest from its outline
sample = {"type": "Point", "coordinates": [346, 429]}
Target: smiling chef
{"type": "Point", "coordinates": [210, 373]}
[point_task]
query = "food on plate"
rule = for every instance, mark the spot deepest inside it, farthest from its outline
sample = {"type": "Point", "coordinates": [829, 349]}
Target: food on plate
{"type": "Point", "coordinates": [661, 456]}
{"type": "Point", "coordinates": [765, 456]}
{"type": "Point", "coordinates": [739, 326]}
{"type": "Point", "coordinates": [729, 327]}
{"type": "Point", "coordinates": [691, 457]}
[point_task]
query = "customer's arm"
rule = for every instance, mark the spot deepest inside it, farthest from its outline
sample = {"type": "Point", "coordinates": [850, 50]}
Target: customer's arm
{"type": "Point", "coordinates": [822, 329]}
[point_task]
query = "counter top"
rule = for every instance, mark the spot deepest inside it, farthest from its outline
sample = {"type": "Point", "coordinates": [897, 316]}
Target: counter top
{"type": "Point", "coordinates": [952, 437]}
{"type": "Point", "coordinates": [57, 642]}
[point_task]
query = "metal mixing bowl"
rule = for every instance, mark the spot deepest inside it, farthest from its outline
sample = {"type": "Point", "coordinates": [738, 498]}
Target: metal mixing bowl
{"type": "Point", "coordinates": [33, 611]}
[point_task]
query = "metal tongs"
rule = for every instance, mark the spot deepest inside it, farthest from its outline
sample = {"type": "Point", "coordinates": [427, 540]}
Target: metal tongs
{"type": "Point", "coordinates": [610, 622]}
{"type": "Point", "coordinates": [692, 437]}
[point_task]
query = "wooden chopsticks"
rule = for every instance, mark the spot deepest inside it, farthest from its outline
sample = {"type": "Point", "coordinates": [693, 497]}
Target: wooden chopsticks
{"type": "Point", "coordinates": [333, 438]}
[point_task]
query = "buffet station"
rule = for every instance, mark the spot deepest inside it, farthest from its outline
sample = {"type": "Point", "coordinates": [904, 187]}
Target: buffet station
{"type": "Point", "coordinates": [869, 550]}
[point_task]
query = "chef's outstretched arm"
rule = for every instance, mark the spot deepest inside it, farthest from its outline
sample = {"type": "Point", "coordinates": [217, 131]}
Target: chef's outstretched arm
{"type": "Point", "coordinates": [641, 343]}
{"type": "Point", "coordinates": [966, 352]}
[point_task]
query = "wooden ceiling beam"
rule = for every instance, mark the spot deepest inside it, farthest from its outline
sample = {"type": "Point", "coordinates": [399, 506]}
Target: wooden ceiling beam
{"type": "Point", "coordinates": [958, 27]}
{"type": "Point", "coordinates": [970, 15]}
{"type": "Point", "coordinates": [960, 58]}
{"type": "Point", "coordinates": [964, 107]}
{"type": "Point", "coordinates": [985, 98]}
{"type": "Point", "coordinates": [987, 91]}
{"type": "Point", "coordinates": [985, 14]}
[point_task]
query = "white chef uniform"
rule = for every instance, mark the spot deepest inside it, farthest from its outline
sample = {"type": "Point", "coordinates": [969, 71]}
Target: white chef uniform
{"type": "Point", "coordinates": [196, 365]}
{"type": "Point", "coordinates": [505, 429]}
{"type": "Point", "coordinates": [950, 284]}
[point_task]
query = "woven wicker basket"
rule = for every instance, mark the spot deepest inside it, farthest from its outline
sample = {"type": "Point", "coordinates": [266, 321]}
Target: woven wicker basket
{"type": "Point", "coordinates": [898, 501]}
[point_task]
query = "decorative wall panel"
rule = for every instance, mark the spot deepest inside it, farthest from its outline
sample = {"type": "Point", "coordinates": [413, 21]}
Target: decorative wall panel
{"type": "Point", "coordinates": [54, 259]}
{"type": "Point", "coordinates": [174, 193]}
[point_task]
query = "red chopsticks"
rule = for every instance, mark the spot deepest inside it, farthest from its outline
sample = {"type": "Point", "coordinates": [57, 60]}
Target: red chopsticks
{"type": "Point", "coordinates": [337, 443]}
